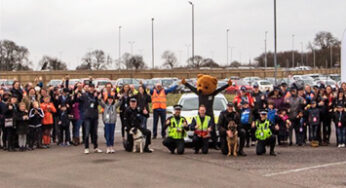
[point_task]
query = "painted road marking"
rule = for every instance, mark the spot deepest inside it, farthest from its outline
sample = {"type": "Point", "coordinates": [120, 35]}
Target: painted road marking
{"type": "Point", "coordinates": [305, 168]}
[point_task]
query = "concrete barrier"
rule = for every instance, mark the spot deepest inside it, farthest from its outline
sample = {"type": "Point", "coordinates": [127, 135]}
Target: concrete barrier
{"type": "Point", "coordinates": [29, 76]}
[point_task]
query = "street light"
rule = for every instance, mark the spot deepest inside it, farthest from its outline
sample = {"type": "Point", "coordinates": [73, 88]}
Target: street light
{"type": "Point", "coordinates": [227, 46]}
{"type": "Point", "coordinates": [152, 42]}
{"type": "Point", "coordinates": [131, 46]}
{"type": "Point", "coordinates": [193, 31]}
{"type": "Point", "coordinates": [302, 56]}
{"type": "Point", "coordinates": [293, 50]}
{"type": "Point", "coordinates": [275, 47]}
{"type": "Point", "coordinates": [119, 40]}
{"type": "Point", "coordinates": [265, 50]}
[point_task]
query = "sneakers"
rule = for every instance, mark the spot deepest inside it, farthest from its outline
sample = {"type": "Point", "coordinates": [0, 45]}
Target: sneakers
{"type": "Point", "coordinates": [97, 150]}
{"type": "Point", "coordinates": [86, 151]}
{"type": "Point", "coordinates": [342, 145]}
{"type": "Point", "coordinates": [108, 150]}
{"type": "Point", "coordinates": [112, 150]}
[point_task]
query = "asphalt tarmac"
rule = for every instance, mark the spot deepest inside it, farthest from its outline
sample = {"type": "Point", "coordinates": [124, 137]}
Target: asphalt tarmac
{"type": "Point", "coordinates": [68, 167]}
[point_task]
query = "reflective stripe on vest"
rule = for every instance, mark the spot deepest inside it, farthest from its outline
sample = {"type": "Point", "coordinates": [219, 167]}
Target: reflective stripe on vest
{"type": "Point", "coordinates": [174, 127]}
{"type": "Point", "coordinates": [202, 129]}
{"type": "Point", "coordinates": [263, 130]}
{"type": "Point", "coordinates": [159, 100]}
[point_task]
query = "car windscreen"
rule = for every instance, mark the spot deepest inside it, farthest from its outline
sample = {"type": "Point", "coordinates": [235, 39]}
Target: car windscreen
{"type": "Point", "coordinates": [192, 104]}
{"type": "Point", "coordinates": [167, 83]}
{"type": "Point", "coordinates": [265, 83]}
{"type": "Point", "coordinates": [102, 83]}
{"type": "Point", "coordinates": [130, 81]}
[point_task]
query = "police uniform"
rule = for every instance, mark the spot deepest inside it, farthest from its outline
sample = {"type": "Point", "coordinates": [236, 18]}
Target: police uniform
{"type": "Point", "coordinates": [201, 135]}
{"type": "Point", "coordinates": [264, 136]}
{"type": "Point", "coordinates": [176, 132]}
{"type": "Point", "coordinates": [132, 119]}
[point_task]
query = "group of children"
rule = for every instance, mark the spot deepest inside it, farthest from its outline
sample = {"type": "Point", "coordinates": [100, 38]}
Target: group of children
{"type": "Point", "coordinates": [307, 114]}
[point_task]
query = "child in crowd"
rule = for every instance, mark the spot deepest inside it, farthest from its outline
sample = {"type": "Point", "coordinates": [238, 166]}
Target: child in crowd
{"type": "Point", "coordinates": [21, 119]}
{"type": "Point", "coordinates": [246, 120]}
{"type": "Point", "coordinates": [109, 118]}
{"type": "Point", "coordinates": [271, 112]}
{"type": "Point", "coordinates": [314, 122]}
{"type": "Point", "coordinates": [64, 126]}
{"type": "Point", "coordinates": [35, 126]}
{"type": "Point", "coordinates": [47, 122]}
{"type": "Point", "coordinates": [284, 123]}
{"type": "Point", "coordinates": [340, 124]}
{"type": "Point", "coordinates": [299, 127]}
{"type": "Point", "coordinates": [10, 127]}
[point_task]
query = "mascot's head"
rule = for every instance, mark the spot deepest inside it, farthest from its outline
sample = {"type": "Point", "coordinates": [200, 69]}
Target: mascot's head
{"type": "Point", "coordinates": [206, 84]}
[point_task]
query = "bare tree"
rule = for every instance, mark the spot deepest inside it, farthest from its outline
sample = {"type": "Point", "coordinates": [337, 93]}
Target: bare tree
{"type": "Point", "coordinates": [325, 40]}
{"type": "Point", "coordinates": [195, 62]}
{"type": "Point", "coordinates": [235, 64]}
{"type": "Point", "coordinates": [170, 59]}
{"type": "Point", "coordinates": [13, 57]}
{"type": "Point", "coordinates": [208, 62]}
{"type": "Point", "coordinates": [52, 63]}
{"type": "Point", "coordinates": [96, 60]}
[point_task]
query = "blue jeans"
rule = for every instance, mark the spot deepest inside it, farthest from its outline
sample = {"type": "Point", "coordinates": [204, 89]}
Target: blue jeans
{"type": "Point", "coordinates": [76, 127]}
{"type": "Point", "coordinates": [109, 134]}
{"type": "Point", "coordinates": [341, 135]}
{"type": "Point", "coordinates": [159, 113]}
{"type": "Point", "coordinates": [144, 122]}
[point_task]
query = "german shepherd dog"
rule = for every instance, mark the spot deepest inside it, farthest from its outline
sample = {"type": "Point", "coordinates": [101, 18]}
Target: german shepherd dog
{"type": "Point", "coordinates": [232, 138]}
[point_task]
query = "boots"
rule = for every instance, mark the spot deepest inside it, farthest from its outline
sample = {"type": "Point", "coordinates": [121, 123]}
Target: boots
{"type": "Point", "coordinates": [76, 141]}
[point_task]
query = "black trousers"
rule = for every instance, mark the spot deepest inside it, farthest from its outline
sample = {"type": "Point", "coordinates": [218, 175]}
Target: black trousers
{"type": "Point", "coordinates": [261, 145]}
{"type": "Point", "coordinates": [326, 129]}
{"type": "Point", "coordinates": [35, 137]}
{"type": "Point", "coordinates": [201, 143]}
{"type": "Point", "coordinates": [64, 130]}
{"type": "Point", "coordinates": [129, 143]}
{"type": "Point", "coordinates": [173, 144]}
{"type": "Point", "coordinates": [223, 140]}
{"type": "Point", "coordinates": [300, 135]}
{"type": "Point", "coordinates": [90, 128]}
{"type": "Point", "coordinates": [122, 119]}
{"type": "Point", "coordinates": [10, 138]}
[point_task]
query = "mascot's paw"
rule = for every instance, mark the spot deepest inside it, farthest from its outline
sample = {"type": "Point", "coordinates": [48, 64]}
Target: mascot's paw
{"type": "Point", "coordinates": [183, 81]}
{"type": "Point", "coordinates": [229, 82]}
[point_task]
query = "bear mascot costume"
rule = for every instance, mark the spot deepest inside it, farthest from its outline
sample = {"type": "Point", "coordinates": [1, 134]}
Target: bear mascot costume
{"type": "Point", "coordinates": [206, 91]}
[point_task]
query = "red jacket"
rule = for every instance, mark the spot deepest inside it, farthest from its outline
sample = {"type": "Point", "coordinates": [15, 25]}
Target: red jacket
{"type": "Point", "coordinates": [237, 99]}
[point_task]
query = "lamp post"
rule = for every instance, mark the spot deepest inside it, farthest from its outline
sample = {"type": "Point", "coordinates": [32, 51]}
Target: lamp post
{"type": "Point", "coordinates": [227, 62]}
{"type": "Point", "coordinates": [275, 42]}
{"type": "Point", "coordinates": [119, 48]}
{"type": "Point", "coordinates": [293, 50]}
{"type": "Point", "coordinates": [193, 30]}
{"type": "Point", "coordinates": [265, 50]}
{"type": "Point", "coordinates": [152, 43]}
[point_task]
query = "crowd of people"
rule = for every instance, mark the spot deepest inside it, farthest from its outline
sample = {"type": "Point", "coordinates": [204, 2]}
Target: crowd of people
{"type": "Point", "coordinates": [33, 116]}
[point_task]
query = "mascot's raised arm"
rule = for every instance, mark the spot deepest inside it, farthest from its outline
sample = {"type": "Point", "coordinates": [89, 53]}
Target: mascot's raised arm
{"type": "Point", "coordinates": [206, 91]}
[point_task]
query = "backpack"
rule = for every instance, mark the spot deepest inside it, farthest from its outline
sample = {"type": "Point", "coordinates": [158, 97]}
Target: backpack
{"type": "Point", "coordinates": [245, 116]}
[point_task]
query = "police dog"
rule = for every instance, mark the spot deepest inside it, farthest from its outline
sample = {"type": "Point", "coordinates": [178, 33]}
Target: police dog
{"type": "Point", "coordinates": [138, 140]}
{"type": "Point", "coordinates": [232, 138]}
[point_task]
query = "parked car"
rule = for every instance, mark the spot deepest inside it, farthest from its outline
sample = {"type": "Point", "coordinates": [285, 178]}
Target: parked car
{"type": "Point", "coordinates": [236, 85]}
{"type": "Point", "coordinates": [73, 82]}
{"type": "Point", "coordinates": [250, 80]}
{"type": "Point", "coordinates": [330, 82]}
{"type": "Point", "coordinates": [264, 85]}
{"type": "Point", "coordinates": [100, 83]}
{"type": "Point", "coordinates": [130, 81]}
{"type": "Point", "coordinates": [335, 77]}
{"type": "Point", "coordinates": [165, 82]}
{"type": "Point", "coordinates": [190, 109]}
{"type": "Point", "coordinates": [54, 83]}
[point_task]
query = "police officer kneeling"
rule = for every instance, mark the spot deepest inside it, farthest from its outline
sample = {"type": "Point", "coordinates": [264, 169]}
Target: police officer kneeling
{"type": "Point", "coordinates": [177, 127]}
{"type": "Point", "coordinates": [202, 125]}
{"type": "Point", "coordinates": [224, 118]}
{"type": "Point", "coordinates": [264, 134]}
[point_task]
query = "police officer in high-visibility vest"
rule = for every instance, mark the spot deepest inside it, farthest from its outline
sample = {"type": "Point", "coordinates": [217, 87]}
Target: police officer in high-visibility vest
{"type": "Point", "coordinates": [177, 127]}
{"type": "Point", "coordinates": [264, 134]}
{"type": "Point", "coordinates": [202, 125]}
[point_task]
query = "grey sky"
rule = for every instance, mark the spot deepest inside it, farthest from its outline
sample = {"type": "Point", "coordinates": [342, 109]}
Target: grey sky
{"type": "Point", "coordinates": [69, 28]}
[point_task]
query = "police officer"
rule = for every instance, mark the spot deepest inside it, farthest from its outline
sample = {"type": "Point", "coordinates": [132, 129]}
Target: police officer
{"type": "Point", "coordinates": [132, 118]}
{"type": "Point", "coordinates": [264, 134]}
{"type": "Point", "coordinates": [177, 126]}
{"type": "Point", "coordinates": [225, 117]}
{"type": "Point", "coordinates": [202, 125]}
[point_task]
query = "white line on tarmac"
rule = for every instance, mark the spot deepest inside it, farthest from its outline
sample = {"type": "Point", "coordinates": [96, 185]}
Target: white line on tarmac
{"type": "Point", "coordinates": [306, 168]}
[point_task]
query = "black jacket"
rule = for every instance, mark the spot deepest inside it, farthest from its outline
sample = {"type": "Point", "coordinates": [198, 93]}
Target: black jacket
{"type": "Point", "coordinates": [337, 117]}
{"type": "Point", "coordinates": [21, 124]}
{"type": "Point", "coordinates": [132, 118]}
{"type": "Point", "coordinates": [207, 100]}
{"type": "Point", "coordinates": [63, 119]}
{"type": "Point", "coordinates": [89, 103]}
{"type": "Point", "coordinates": [225, 117]}
{"type": "Point", "coordinates": [35, 117]}
{"type": "Point", "coordinates": [143, 101]}
{"type": "Point", "coordinates": [18, 93]}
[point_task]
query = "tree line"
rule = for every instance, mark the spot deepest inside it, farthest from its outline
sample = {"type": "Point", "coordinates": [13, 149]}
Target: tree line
{"type": "Point", "coordinates": [324, 51]}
